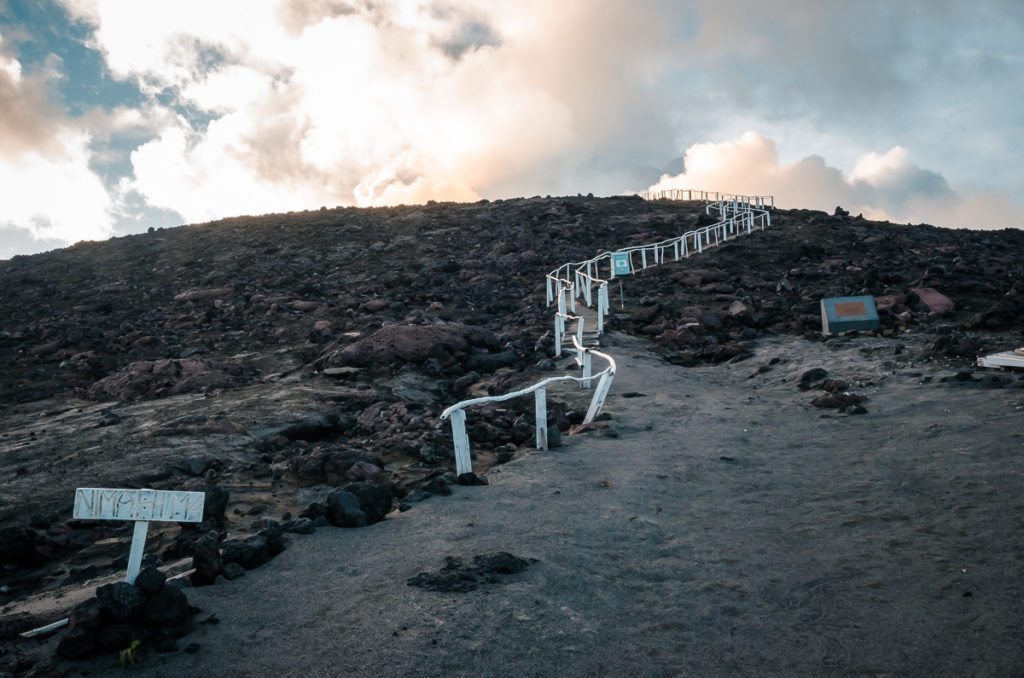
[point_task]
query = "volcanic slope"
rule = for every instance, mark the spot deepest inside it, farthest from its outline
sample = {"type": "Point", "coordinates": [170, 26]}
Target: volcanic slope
{"type": "Point", "coordinates": [268, 359]}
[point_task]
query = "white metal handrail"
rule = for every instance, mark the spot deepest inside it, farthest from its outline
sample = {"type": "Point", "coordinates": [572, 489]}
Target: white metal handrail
{"type": "Point", "coordinates": [737, 213]}
{"type": "Point", "coordinates": [690, 194]}
{"type": "Point", "coordinates": [457, 412]}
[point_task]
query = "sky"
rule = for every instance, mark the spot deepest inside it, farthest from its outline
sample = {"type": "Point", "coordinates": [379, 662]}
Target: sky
{"type": "Point", "coordinates": [117, 116]}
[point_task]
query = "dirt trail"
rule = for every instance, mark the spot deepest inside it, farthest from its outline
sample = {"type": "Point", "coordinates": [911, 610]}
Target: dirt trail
{"type": "Point", "coordinates": [721, 526]}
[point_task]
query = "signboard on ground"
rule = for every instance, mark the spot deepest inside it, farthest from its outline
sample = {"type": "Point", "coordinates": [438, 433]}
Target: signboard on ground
{"type": "Point", "coordinates": [620, 263]}
{"type": "Point", "coordinates": [93, 503]}
{"type": "Point", "coordinates": [848, 314]}
{"type": "Point", "coordinates": [142, 506]}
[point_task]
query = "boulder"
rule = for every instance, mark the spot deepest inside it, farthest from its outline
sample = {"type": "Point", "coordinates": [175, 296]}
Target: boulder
{"type": "Point", "coordinates": [250, 552]}
{"type": "Point", "coordinates": [206, 559]}
{"type": "Point", "coordinates": [159, 378]}
{"type": "Point", "coordinates": [77, 643]}
{"type": "Point", "coordinates": [935, 301]}
{"type": "Point", "coordinates": [150, 580]}
{"type": "Point", "coordinates": [375, 499]}
{"type": "Point", "coordinates": [122, 601]}
{"type": "Point", "coordinates": [343, 510]}
{"type": "Point", "coordinates": [167, 607]}
{"type": "Point", "coordinates": [396, 344]}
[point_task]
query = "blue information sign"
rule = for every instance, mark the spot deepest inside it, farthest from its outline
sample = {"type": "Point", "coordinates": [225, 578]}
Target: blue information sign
{"type": "Point", "coordinates": [620, 263]}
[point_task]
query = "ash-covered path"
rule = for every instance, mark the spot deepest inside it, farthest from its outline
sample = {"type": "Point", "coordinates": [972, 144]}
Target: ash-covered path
{"type": "Point", "coordinates": [720, 526]}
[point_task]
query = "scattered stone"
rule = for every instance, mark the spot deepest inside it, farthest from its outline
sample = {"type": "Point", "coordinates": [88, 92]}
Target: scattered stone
{"type": "Point", "coordinates": [812, 377]}
{"type": "Point", "coordinates": [150, 580]}
{"type": "Point", "coordinates": [837, 400]}
{"type": "Point", "coordinates": [250, 552]}
{"type": "Point", "coordinates": [206, 559]}
{"type": "Point", "coordinates": [437, 485]}
{"type": "Point", "coordinates": [122, 601]}
{"type": "Point", "coordinates": [470, 478]}
{"type": "Point", "coordinates": [457, 577]}
{"type": "Point", "coordinates": [343, 510]}
{"type": "Point", "coordinates": [934, 301]}
{"type": "Point", "coordinates": [159, 378]}
{"type": "Point", "coordinates": [233, 571]}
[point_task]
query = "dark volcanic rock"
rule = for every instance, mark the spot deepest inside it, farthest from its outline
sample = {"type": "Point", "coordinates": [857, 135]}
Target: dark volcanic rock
{"type": "Point", "coordinates": [206, 559]}
{"type": "Point", "coordinates": [77, 643]}
{"type": "Point", "coordinates": [457, 577]}
{"type": "Point", "coordinates": [375, 499]}
{"type": "Point", "coordinates": [167, 607]}
{"type": "Point", "coordinates": [122, 601]}
{"type": "Point", "coordinates": [343, 510]}
{"type": "Point", "coordinates": [250, 553]}
{"type": "Point", "coordinates": [395, 344]}
{"type": "Point", "coordinates": [150, 580]}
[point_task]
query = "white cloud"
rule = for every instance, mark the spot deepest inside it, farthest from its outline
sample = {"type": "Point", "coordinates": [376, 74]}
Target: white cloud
{"type": "Point", "coordinates": [885, 186]}
{"type": "Point", "coordinates": [50, 194]}
{"type": "Point", "coordinates": [364, 103]}
{"type": "Point", "coordinates": [269, 105]}
{"type": "Point", "coordinates": [56, 196]}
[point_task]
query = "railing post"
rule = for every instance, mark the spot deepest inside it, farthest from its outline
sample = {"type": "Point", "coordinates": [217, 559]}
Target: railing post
{"type": "Point", "coordinates": [602, 292]}
{"type": "Point", "coordinates": [643, 257]}
{"type": "Point", "coordinates": [587, 370]}
{"type": "Point", "coordinates": [597, 402]}
{"type": "Point", "coordinates": [463, 464]}
{"type": "Point", "coordinates": [558, 336]}
{"type": "Point", "coordinates": [541, 417]}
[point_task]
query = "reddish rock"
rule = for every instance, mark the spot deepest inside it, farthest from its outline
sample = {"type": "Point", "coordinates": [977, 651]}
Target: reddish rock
{"type": "Point", "coordinates": [934, 300]}
{"type": "Point", "coordinates": [196, 295]}
{"type": "Point", "coordinates": [410, 343]}
{"type": "Point", "coordinates": [149, 378]}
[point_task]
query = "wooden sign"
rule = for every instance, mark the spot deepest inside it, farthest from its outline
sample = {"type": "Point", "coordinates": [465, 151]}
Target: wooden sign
{"type": "Point", "coordinates": [93, 503]}
{"type": "Point", "coordinates": [142, 506]}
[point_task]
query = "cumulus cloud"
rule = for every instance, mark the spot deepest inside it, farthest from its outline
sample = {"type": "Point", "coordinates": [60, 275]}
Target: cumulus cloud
{"type": "Point", "coordinates": [50, 193]}
{"type": "Point", "coordinates": [885, 186]}
{"type": "Point", "coordinates": [322, 102]}
{"type": "Point", "coordinates": [254, 106]}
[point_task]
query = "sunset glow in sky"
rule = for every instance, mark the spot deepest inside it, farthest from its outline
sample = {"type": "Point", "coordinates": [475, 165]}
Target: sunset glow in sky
{"type": "Point", "coordinates": [120, 115]}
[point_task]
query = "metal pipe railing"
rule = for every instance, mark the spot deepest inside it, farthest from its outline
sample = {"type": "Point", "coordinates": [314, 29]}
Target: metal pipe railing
{"type": "Point", "coordinates": [737, 214]}
{"type": "Point", "coordinates": [457, 412]}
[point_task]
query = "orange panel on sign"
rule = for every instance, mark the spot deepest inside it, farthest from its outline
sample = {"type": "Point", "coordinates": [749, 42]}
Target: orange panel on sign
{"type": "Point", "coordinates": [851, 308]}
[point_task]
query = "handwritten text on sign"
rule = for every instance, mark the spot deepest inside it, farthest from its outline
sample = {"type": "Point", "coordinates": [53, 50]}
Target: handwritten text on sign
{"type": "Point", "coordinates": [93, 503]}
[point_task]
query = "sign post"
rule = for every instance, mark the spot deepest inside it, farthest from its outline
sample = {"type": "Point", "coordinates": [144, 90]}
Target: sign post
{"type": "Point", "coordinates": [142, 506]}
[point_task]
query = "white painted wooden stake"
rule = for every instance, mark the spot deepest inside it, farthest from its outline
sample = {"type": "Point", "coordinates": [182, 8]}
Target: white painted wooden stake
{"type": "Point", "coordinates": [643, 257]}
{"type": "Point", "coordinates": [463, 464]}
{"type": "Point", "coordinates": [141, 506]}
{"type": "Point", "coordinates": [587, 370]}
{"type": "Point", "coordinates": [602, 292]}
{"type": "Point", "coordinates": [138, 546]}
{"type": "Point", "coordinates": [558, 336]}
{"type": "Point", "coordinates": [547, 285]}
{"type": "Point", "coordinates": [541, 412]}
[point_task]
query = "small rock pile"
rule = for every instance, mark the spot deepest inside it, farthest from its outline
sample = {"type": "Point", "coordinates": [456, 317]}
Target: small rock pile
{"type": "Point", "coordinates": [150, 611]}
